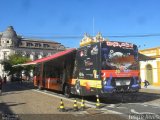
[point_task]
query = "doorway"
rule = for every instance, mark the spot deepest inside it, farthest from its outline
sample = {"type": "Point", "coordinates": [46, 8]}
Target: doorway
{"type": "Point", "coordinates": [149, 73]}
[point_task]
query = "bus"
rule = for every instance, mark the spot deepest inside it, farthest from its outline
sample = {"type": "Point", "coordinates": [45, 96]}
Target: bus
{"type": "Point", "coordinates": [98, 68]}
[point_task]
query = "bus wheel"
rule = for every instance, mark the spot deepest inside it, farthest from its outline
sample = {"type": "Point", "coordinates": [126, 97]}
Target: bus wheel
{"type": "Point", "coordinates": [67, 91]}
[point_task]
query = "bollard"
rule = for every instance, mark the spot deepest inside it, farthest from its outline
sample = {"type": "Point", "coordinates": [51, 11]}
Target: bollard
{"type": "Point", "coordinates": [82, 104]}
{"type": "Point", "coordinates": [61, 107]}
{"type": "Point", "coordinates": [75, 106]}
{"type": "Point", "coordinates": [98, 102]}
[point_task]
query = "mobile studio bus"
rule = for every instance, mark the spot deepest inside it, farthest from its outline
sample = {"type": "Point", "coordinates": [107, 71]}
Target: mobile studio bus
{"type": "Point", "coordinates": [98, 67]}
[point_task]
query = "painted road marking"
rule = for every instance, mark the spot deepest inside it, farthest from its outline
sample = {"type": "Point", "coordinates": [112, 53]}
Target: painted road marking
{"type": "Point", "coordinates": [111, 106]}
{"type": "Point", "coordinates": [92, 104]}
{"type": "Point", "coordinates": [146, 105]}
{"type": "Point", "coordinates": [134, 111]}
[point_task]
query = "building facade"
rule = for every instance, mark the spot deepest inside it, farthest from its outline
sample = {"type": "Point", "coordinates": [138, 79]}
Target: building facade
{"type": "Point", "coordinates": [11, 43]}
{"type": "Point", "coordinates": [150, 69]}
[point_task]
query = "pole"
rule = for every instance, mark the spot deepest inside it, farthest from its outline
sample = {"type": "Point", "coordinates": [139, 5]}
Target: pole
{"type": "Point", "coordinates": [93, 26]}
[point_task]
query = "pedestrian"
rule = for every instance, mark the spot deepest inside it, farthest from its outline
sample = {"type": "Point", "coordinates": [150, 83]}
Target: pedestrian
{"type": "Point", "coordinates": [146, 83]}
{"type": "Point", "coordinates": [0, 84]}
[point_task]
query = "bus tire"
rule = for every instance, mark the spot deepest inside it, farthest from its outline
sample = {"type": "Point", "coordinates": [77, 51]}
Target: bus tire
{"type": "Point", "coordinates": [67, 91]}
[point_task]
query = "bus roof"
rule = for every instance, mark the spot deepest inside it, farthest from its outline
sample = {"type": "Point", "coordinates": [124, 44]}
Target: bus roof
{"type": "Point", "coordinates": [45, 59]}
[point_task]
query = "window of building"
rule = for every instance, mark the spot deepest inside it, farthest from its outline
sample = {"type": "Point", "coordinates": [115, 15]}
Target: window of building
{"type": "Point", "coordinates": [61, 47]}
{"type": "Point", "coordinates": [45, 45]}
{"type": "Point", "coordinates": [37, 45]}
{"type": "Point", "coordinates": [45, 55]}
{"type": "Point", "coordinates": [49, 54]}
{"type": "Point", "coordinates": [5, 54]}
{"type": "Point", "coordinates": [29, 44]}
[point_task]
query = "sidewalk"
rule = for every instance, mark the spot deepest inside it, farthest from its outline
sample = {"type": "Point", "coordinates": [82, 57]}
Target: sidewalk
{"type": "Point", "coordinates": [151, 89]}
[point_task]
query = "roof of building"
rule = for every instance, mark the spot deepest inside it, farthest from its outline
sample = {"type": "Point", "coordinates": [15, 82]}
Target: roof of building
{"type": "Point", "coordinates": [147, 49]}
{"type": "Point", "coordinates": [143, 57]}
{"type": "Point", "coordinates": [9, 33]}
{"type": "Point", "coordinates": [38, 40]}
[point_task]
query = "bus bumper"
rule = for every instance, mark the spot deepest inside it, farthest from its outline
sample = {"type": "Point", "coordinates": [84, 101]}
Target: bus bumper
{"type": "Point", "coordinates": [112, 89]}
{"type": "Point", "coordinates": [109, 89]}
{"type": "Point", "coordinates": [135, 87]}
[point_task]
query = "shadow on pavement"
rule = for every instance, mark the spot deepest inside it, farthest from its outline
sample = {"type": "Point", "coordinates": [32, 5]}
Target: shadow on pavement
{"type": "Point", "coordinates": [140, 97]}
{"type": "Point", "coordinates": [130, 98]}
{"type": "Point", "coordinates": [115, 98]}
{"type": "Point", "coordinates": [16, 86]}
{"type": "Point", "coordinates": [5, 107]}
{"type": "Point", "coordinates": [6, 113]}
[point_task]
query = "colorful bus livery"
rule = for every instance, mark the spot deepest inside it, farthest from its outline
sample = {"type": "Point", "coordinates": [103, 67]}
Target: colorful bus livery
{"type": "Point", "coordinates": [119, 44]}
{"type": "Point", "coordinates": [99, 68]}
{"type": "Point", "coordinates": [120, 67]}
{"type": "Point", "coordinates": [106, 67]}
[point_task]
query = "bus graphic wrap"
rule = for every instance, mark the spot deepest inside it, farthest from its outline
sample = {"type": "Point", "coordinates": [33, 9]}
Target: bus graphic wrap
{"type": "Point", "coordinates": [95, 69]}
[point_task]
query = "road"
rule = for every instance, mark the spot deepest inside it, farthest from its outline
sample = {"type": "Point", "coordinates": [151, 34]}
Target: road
{"type": "Point", "coordinates": [28, 103]}
{"type": "Point", "coordinates": [21, 101]}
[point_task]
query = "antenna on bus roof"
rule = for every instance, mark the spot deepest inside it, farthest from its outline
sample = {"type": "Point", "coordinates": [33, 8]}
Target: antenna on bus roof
{"type": "Point", "coordinates": [93, 26]}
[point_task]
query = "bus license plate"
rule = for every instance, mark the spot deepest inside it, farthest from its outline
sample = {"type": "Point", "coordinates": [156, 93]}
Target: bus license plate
{"type": "Point", "coordinates": [122, 82]}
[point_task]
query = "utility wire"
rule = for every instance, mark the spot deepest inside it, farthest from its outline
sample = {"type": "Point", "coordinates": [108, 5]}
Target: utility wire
{"type": "Point", "coordinates": [78, 36]}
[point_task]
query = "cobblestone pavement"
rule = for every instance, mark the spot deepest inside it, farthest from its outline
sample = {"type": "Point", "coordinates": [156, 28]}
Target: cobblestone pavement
{"type": "Point", "coordinates": [21, 101]}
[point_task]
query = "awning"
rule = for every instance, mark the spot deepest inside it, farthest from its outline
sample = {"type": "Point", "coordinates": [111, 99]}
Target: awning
{"type": "Point", "coordinates": [45, 59]}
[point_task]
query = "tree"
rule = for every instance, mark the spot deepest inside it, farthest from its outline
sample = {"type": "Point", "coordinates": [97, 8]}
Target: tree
{"type": "Point", "coordinates": [15, 59]}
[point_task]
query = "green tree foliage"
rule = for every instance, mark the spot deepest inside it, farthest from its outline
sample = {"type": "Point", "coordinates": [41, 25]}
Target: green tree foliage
{"type": "Point", "coordinates": [15, 59]}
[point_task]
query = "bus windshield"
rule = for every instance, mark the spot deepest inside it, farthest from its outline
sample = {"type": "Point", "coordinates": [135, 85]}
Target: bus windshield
{"type": "Point", "coordinates": [119, 55]}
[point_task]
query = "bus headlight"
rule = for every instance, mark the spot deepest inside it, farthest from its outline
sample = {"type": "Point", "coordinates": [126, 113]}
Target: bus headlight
{"type": "Point", "coordinates": [104, 82]}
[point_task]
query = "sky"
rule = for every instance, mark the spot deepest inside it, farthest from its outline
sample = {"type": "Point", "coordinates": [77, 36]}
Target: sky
{"type": "Point", "coordinates": [66, 21]}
